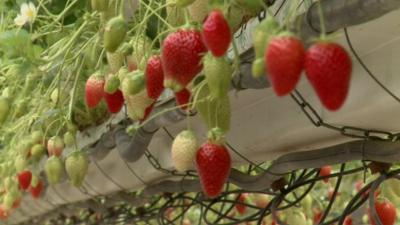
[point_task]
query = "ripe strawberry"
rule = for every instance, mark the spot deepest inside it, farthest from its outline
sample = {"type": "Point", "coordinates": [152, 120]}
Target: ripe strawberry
{"type": "Point", "coordinates": [386, 212]}
{"type": "Point", "coordinates": [76, 166]}
{"type": "Point", "coordinates": [55, 145]}
{"type": "Point", "coordinates": [17, 203]}
{"type": "Point", "coordinates": [24, 179]}
{"type": "Point", "coordinates": [218, 74]}
{"type": "Point", "coordinates": [325, 171]}
{"type": "Point", "coordinates": [37, 189]}
{"type": "Point", "coordinates": [184, 148]}
{"type": "Point", "coordinates": [182, 98]}
{"type": "Point", "coordinates": [216, 33]}
{"type": "Point", "coordinates": [284, 60]}
{"type": "Point", "coordinates": [328, 68]}
{"type": "Point", "coordinates": [147, 112]}
{"type": "Point", "coordinates": [3, 213]}
{"type": "Point", "coordinates": [53, 169]}
{"type": "Point", "coordinates": [114, 101]}
{"type": "Point", "coordinates": [213, 164]}
{"type": "Point", "coordinates": [181, 58]}
{"type": "Point", "coordinates": [94, 90]}
{"type": "Point", "coordinates": [114, 33]}
{"type": "Point", "coordinates": [154, 77]}
{"type": "Point", "coordinates": [241, 208]}
{"type": "Point", "coordinates": [348, 220]}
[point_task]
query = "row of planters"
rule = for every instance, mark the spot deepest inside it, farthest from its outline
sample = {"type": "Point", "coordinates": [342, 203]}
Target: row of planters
{"type": "Point", "coordinates": [69, 65]}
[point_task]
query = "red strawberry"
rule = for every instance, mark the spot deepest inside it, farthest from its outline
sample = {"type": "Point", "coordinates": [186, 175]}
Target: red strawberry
{"type": "Point", "coordinates": [284, 60]}
{"type": "Point", "coordinates": [154, 77]}
{"type": "Point", "coordinates": [182, 98]}
{"type": "Point", "coordinates": [16, 203]}
{"type": "Point", "coordinates": [114, 101]}
{"type": "Point", "coordinates": [24, 179]}
{"type": "Point", "coordinates": [216, 33]}
{"type": "Point", "coordinates": [182, 52]}
{"type": "Point", "coordinates": [241, 208]}
{"type": "Point", "coordinates": [94, 90]}
{"type": "Point", "coordinates": [328, 68]}
{"type": "Point", "coordinates": [325, 171]}
{"type": "Point", "coordinates": [348, 220]}
{"type": "Point", "coordinates": [213, 164]}
{"type": "Point", "coordinates": [3, 213]}
{"type": "Point", "coordinates": [386, 212]}
{"type": "Point", "coordinates": [37, 190]}
{"type": "Point", "coordinates": [147, 112]}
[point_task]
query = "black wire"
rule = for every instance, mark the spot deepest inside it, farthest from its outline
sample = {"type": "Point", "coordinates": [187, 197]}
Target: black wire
{"type": "Point", "coordinates": [377, 81]}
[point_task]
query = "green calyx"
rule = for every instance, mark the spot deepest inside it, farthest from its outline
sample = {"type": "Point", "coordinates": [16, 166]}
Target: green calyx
{"type": "Point", "coordinates": [112, 84]}
{"type": "Point", "coordinates": [134, 83]}
{"type": "Point", "coordinates": [216, 136]}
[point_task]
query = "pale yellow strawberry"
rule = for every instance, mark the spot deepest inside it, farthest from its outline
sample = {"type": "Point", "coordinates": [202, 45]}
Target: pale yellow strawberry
{"type": "Point", "coordinates": [115, 61]}
{"type": "Point", "coordinates": [175, 15]}
{"type": "Point", "coordinates": [20, 163]}
{"type": "Point", "coordinates": [184, 148]}
{"type": "Point", "coordinates": [136, 104]}
{"type": "Point", "coordinates": [199, 10]}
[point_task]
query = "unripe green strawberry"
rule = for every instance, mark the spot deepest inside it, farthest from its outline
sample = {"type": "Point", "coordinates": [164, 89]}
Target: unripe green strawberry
{"type": "Point", "coordinates": [53, 169]}
{"type": "Point", "coordinates": [218, 73]}
{"type": "Point", "coordinates": [115, 61]}
{"type": "Point", "coordinates": [296, 217]}
{"type": "Point", "coordinates": [137, 104]}
{"type": "Point", "coordinates": [184, 148]}
{"type": "Point", "coordinates": [214, 112]}
{"type": "Point", "coordinates": [100, 5]}
{"type": "Point", "coordinates": [24, 147]}
{"type": "Point", "coordinates": [76, 166]}
{"type": "Point", "coordinates": [258, 68]}
{"type": "Point", "coordinates": [37, 152]}
{"type": "Point", "coordinates": [8, 201]}
{"type": "Point", "coordinates": [134, 83]}
{"type": "Point", "coordinates": [112, 84]}
{"type": "Point", "coordinates": [114, 33]}
{"type": "Point", "coordinates": [21, 108]}
{"type": "Point", "coordinates": [20, 163]}
{"type": "Point", "coordinates": [37, 137]}
{"type": "Point", "coordinates": [69, 139]}
{"type": "Point", "coordinates": [234, 15]}
{"type": "Point", "coordinates": [263, 33]}
{"type": "Point", "coordinates": [4, 109]}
